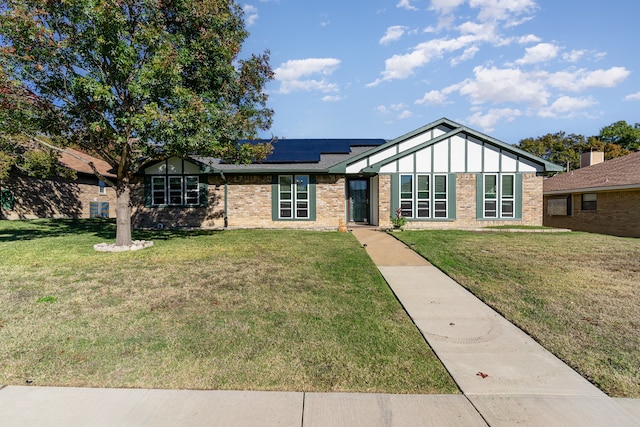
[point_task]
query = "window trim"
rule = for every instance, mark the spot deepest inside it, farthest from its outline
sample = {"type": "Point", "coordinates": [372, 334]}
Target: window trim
{"type": "Point", "coordinates": [161, 196]}
{"type": "Point", "coordinates": [432, 200]}
{"type": "Point", "coordinates": [297, 203]}
{"type": "Point", "coordinates": [499, 196]}
{"type": "Point", "coordinates": [589, 205]}
{"type": "Point", "coordinates": [102, 187]}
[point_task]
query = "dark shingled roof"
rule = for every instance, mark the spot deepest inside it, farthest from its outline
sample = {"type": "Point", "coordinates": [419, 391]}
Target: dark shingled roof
{"type": "Point", "coordinates": [310, 150]}
{"type": "Point", "coordinates": [621, 172]}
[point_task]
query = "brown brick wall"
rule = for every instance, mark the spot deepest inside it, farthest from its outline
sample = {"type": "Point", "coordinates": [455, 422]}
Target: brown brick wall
{"type": "Point", "coordinates": [52, 198]}
{"type": "Point", "coordinates": [384, 200]}
{"type": "Point", "coordinates": [617, 214]}
{"type": "Point", "coordinates": [211, 216]}
{"type": "Point", "coordinates": [250, 203]}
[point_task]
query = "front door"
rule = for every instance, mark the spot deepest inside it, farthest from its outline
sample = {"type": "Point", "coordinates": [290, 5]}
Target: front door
{"type": "Point", "coordinates": [359, 200]}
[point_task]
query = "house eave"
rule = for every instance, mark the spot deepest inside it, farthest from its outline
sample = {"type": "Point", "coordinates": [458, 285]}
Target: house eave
{"type": "Point", "coordinates": [593, 189]}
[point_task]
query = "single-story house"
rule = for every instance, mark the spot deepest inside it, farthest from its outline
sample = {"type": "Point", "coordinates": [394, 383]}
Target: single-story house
{"type": "Point", "coordinates": [84, 197]}
{"type": "Point", "coordinates": [443, 175]}
{"type": "Point", "coordinates": [603, 197]}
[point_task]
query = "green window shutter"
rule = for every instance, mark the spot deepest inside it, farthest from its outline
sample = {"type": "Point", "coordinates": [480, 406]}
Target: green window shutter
{"type": "Point", "coordinates": [518, 196]}
{"type": "Point", "coordinates": [312, 197]}
{"type": "Point", "coordinates": [203, 189]}
{"type": "Point", "coordinates": [395, 193]}
{"type": "Point", "coordinates": [274, 198]}
{"type": "Point", "coordinates": [451, 195]}
{"type": "Point", "coordinates": [479, 196]}
{"type": "Point", "coordinates": [147, 191]}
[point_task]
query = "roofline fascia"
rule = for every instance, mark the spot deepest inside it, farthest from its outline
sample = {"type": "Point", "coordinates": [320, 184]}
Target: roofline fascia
{"type": "Point", "coordinates": [594, 189]}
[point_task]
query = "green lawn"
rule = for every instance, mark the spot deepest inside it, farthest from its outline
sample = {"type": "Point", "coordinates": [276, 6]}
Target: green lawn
{"type": "Point", "coordinates": [249, 310]}
{"type": "Point", "coordinates": [578, 294]}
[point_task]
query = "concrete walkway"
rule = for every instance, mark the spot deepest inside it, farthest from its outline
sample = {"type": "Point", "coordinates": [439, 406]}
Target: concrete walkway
{"type": "Point", "coordinates": [506, 378]}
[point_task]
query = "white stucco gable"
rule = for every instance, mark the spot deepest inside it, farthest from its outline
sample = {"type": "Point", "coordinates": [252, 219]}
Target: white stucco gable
{"type": "Point", "coordinates": [447, 147]}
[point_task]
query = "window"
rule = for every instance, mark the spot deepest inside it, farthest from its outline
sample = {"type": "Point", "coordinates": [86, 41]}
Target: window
{"type": "Point", "coordinates": [499, 196]}
{"type": "Point", "coordinates": [102, 188]}
{"type": "Point", "coordinates": [406, 195]}
{"type": "Point", "coordinates": [175, 190]}
{"type": "Point", "coordinates": [589, 202]}
{"type": "Point", "coordinates": [293, 196]}
{"type": "Point", "coordinates": [440, 203]}
{"type": "Point", "coordinates": [423, 196]}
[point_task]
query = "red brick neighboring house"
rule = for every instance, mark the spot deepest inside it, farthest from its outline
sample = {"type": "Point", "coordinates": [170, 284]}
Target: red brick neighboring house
{"type": "Point", "coordinates": [84, 197]}
{"type": "Point", "coordinates": [601, 198]}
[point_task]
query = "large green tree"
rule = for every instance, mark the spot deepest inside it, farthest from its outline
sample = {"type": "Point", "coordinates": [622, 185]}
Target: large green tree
{"type": "Point", "coordinates": [565, 150]}
{"type": "Point", "coordinates": [133, 80]}
{"type": "Point", "coordinates": [623, 134]}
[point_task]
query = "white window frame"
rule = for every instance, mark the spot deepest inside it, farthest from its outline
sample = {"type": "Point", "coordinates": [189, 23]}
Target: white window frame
{"type": "Point", "coordinates": [407, 203]}
{"type": "Point", "coordinates": [175, 190]}
{"type": "Point", "coordinates": [413, 207]}
{"type": "Point", "coordinates": [102, 188]}
{"type": "Point", "coordinates": [439, 200]}
{"type": "Point", "coordinates": [298, 202]}
{"type": "Point", "coordinates": [500, 198]}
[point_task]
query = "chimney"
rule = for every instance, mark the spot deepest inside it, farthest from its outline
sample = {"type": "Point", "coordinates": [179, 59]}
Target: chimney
{"type": "Point", "coordinates": [591, 158]}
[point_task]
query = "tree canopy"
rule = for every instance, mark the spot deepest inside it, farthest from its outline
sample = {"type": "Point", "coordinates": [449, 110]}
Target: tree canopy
{"type": "Point", "coordinates": [623, 134]}
{"type": "Point", "coordinates": [565, 149]}
{"type": "Point", "coordinates": [132, 80]}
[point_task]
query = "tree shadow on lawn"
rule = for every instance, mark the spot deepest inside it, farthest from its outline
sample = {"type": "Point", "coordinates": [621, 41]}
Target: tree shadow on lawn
{"type": "Point", "coordinates": [99, 227]}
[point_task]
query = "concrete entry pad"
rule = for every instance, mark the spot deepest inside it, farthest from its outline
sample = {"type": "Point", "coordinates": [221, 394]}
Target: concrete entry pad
{"type": "Point", "coordinates": [366, 410]}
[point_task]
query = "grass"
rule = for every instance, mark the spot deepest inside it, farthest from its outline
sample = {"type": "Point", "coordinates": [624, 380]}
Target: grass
{"type": "Point", "coordinates": [578, 294]}
{"type": "Point", "coordinates": [247, 310]}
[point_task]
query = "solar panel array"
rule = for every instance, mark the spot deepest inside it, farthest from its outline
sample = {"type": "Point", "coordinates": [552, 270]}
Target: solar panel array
{"type": "Point", "coordinates": [310, 150]}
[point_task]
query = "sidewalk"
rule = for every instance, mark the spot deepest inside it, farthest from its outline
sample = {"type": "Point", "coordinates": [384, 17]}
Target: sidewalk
{"type": "Point", "coordinates": [506, 378]}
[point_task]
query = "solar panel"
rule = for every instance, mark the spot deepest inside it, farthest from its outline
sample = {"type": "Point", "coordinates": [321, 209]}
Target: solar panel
{"type": "Point", "coordinates": [310, 150]}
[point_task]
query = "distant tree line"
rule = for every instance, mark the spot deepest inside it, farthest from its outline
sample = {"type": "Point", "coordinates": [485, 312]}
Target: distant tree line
{"type": "Point", "coordinates": [617, 139]}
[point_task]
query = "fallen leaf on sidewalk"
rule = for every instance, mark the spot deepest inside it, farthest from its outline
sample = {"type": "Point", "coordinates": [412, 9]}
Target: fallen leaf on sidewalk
{"type": "Point", "coordinates": [482, 374]}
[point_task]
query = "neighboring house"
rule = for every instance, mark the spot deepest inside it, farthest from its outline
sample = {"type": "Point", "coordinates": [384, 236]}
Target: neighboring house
{"type": "Point", "coordinates": [84, 197]}
{"type": "Point", "coordinates": [600, 198]}
{"type": "Point", "coordinates": [442, 175]}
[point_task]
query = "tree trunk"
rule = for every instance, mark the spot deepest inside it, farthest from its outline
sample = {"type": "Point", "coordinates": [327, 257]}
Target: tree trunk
{"type": "Point", "coordinates": [123, 212]}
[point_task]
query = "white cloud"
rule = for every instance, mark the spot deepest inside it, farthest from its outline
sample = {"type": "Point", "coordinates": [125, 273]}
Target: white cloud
{"type": "Point", "coordinates": [535, 88]}
{"type": "Point", "coordinates": [566, 104]}
{"type": "Point", "coordinates": [406, 4]}
{"type": "Point", "coordinates": [402, 66]}
{"type": "Point", "coordinates": [294, 75]}
{"type": "Point", "coordinates": [504, 85]}
{"type": "Point", "coordinates": [529, 38]}
{"type": "Point", "coordinates": [434, 97]}
{"type": "Point", "coordinates": [331, 98]}
{"type": "Point", "coordinates": [582, 79]}
{"type": "Point", "coordinates": [633, 97]}
{"type": "Point", "coordinates": [393, 33]}
{"type": "Point", "coordinates": [468, 54]}
{"type": "Point", "coordinates": [574, 55]}
{"type": "Point", "coordinates": [499, 10]}
{"type": "Point", "coordinates": [541, 52]}
{"type": "Point", "coordinates": [250, 14]}
{"type": "Point", "coordinates": [445, 6]}
{"type": "Point", "coordinates": [405, 114]}
{"type": "Point", "coordinates": [487, 121]}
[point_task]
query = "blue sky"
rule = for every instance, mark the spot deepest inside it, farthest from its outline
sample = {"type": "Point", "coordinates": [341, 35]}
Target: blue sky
{"type": "Point", "coordinates": [510, 68]}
